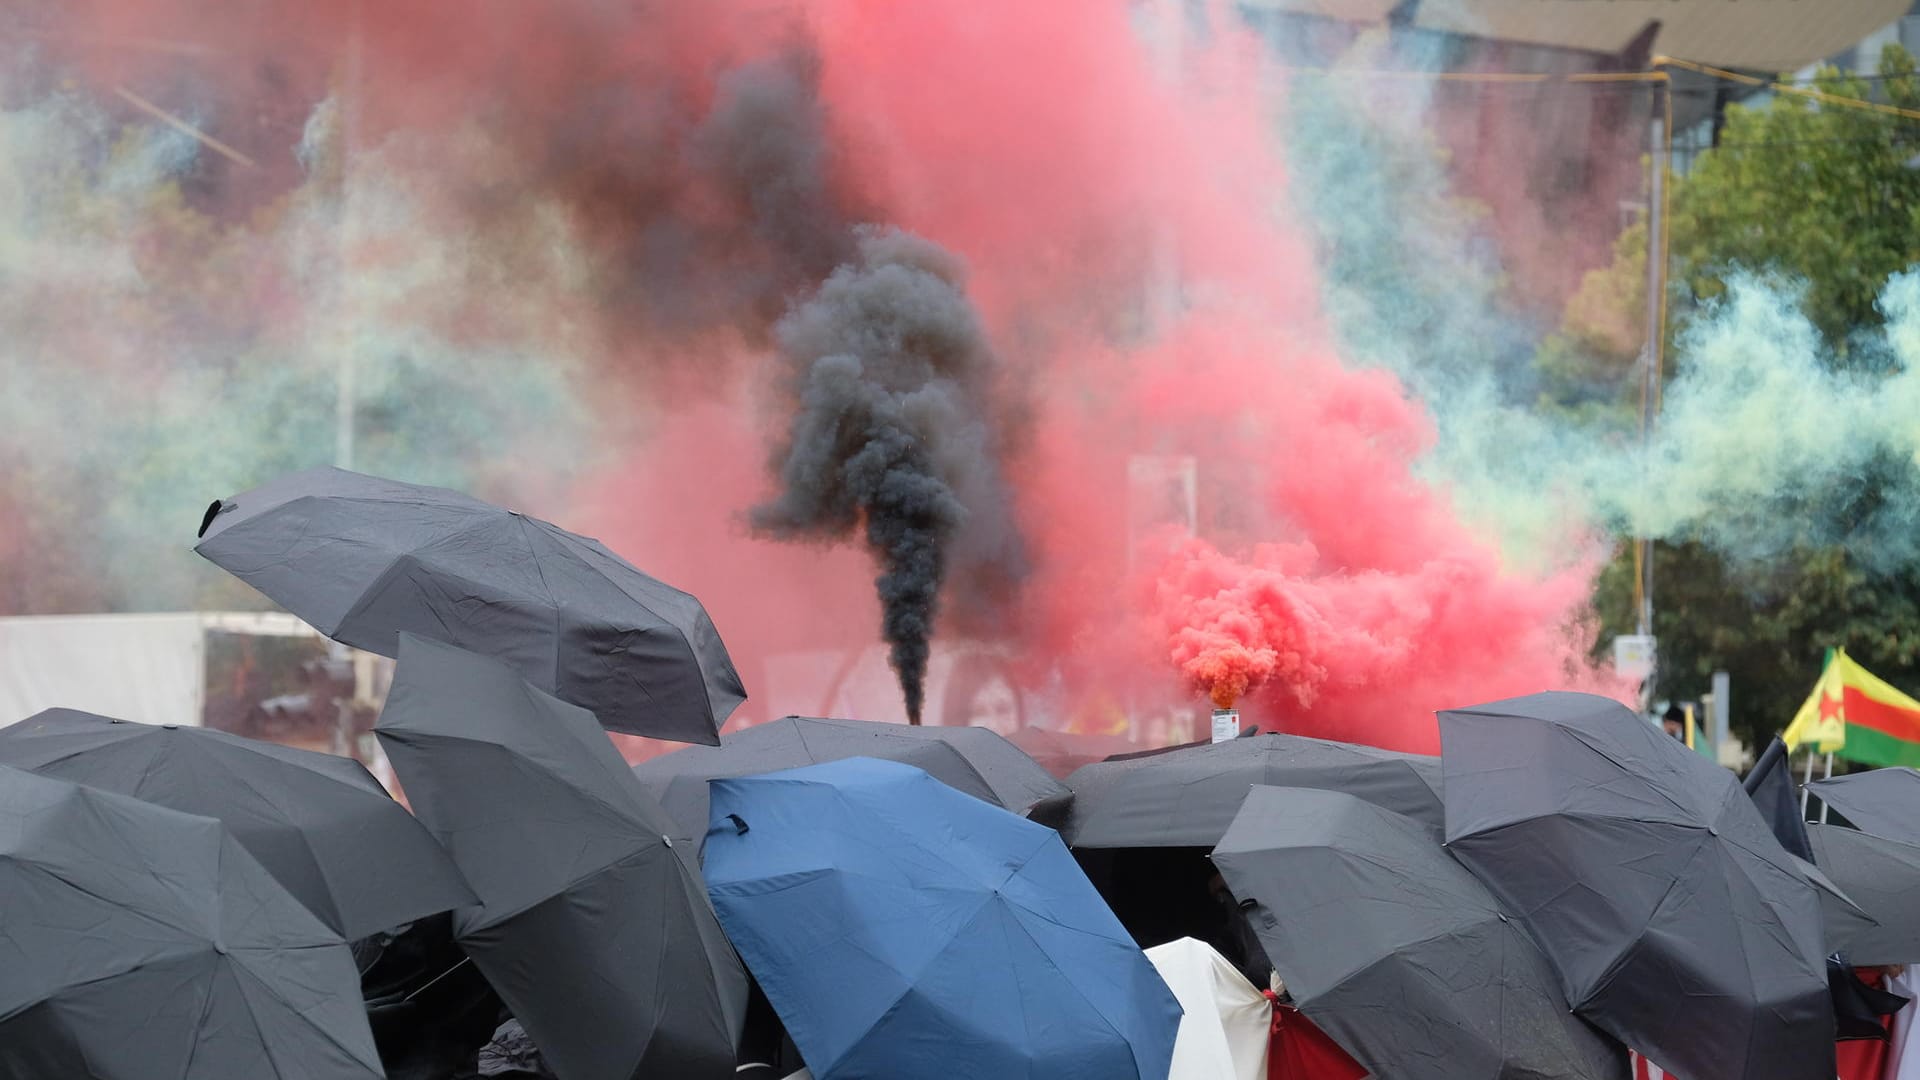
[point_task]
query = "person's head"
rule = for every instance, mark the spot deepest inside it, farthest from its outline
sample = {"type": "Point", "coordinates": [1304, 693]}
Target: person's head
{"type": "Point", "coordinates": [1674, 722]}
{"type": "Point", "coordinates": [1217, 886]}
{"type": "Point", "coordinates": [981, 693]}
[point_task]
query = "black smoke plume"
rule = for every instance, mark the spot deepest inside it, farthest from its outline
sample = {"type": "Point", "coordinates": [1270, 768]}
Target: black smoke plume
{"type": "Point", "coordinates": [892, 384]}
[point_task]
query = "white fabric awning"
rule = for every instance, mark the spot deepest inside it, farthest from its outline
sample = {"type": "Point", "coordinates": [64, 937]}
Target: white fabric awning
{"type": "Point", "coordinates": [149, 668]}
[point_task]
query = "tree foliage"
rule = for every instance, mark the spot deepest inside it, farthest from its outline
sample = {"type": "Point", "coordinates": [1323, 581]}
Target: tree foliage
{"type": "Point", "coordinates": [1828, 196]}
{"type": "Point", "coordinates": [1824, 194]}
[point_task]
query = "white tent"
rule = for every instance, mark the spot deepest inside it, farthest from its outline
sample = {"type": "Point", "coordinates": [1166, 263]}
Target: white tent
{"type": "Point", "coordinates": [149, 668]}
{"type": "Point", "coordinates": [1223, 1035]}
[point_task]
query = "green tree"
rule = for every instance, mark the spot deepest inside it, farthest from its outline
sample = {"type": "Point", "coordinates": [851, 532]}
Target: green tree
{"type": "Point", "coordinates": [1821, 192]}
{"type": "Point", "coordinates": [1826, 194]}
{"type": "Point", "coordinates": [1767, 625]}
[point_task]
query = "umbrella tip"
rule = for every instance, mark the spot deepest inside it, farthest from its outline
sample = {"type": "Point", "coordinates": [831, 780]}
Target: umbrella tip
{"type": "Point", "coordinates": [219, 507]}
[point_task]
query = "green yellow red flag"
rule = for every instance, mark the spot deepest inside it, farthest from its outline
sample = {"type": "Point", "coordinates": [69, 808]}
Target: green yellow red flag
{"type": "Point", "coordinates": [1858, 716]}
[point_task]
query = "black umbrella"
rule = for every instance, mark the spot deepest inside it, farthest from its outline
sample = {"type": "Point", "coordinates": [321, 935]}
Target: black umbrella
{"type": "Point", "coordinates": [1188, 797]}
{"type": "Point", "coordinates": [1675, 920]}
{"type": "Point", "coordinates": [597, 935]}
{"type": "Point", "coordinates": [364, 559]}
{"type": "Point", "coordinates": [1884, 802]}
{"type": "Point", "coordinates": [1857, 1007]}
{"type": "Point", "coordinates": [974, 760]}
{"type": "Point", "coordinates": [1395, 950]}
{"type": "Point", "coordinates": [320, 824]}
{"type": "Point", "coordinates": [1841, 919]}
{"type": "Point", "coordinates": [1770, 784]}
{"type": "Point", "coordinates": [428, 1005]}
{"type": "Point", "coordinates": [1883, 877]}
{"type": "Point", "coordinates": [139, 942]}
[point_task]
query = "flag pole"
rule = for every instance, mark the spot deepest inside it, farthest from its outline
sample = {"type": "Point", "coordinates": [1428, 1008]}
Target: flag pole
{"type": "Point", "coordinates": [1806, 792]}
{"type": "Point", "coordinates": [1829, 776]}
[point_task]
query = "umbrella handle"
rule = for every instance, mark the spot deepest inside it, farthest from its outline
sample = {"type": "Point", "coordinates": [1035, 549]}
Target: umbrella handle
{"type": "Point", "coordinates": [219, 507]}
{"type": "Point", "coordinates": [463, 963]}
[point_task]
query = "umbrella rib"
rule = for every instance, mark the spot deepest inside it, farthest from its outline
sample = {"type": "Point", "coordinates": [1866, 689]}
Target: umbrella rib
{"type": "Point", "coordinates": [1626, 769]}
{"type": "Point", "coordinates": [1612, 970]}
{"type": "Point", "coordinates": [1392, 953]}
{"type": "Point", "coordinates": [267, 987]}
{"type": "Point", "coordinates": [913, 981]}
{"type": "Point", "coordinates": [623, 813]}
{"type": "Point", "coordinates": [267, 750]}
{"type": "Point", "coordinates": [199, 1025]}
{"type": "Point", "coordinates": [539, 570]}
{"type": "Point", "coordinates": [693, 655]}
{"type": "Point", "coordinates": [1016, 911]}
{"type": "Point", "coordinates": [40, 867]}
{"type": "Point", "coordinates": [335, 918]}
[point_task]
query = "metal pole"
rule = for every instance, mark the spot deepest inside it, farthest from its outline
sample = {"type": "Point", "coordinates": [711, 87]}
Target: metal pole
{"type": "Point", "coordinates": [1829, 776]}
{"type": "Point", "coordinates": [1806, 792]}
{"type": "Point", "coordinates": [345, 396]}
{"type": "Point", "coordinates": [1659, 159]}
{"type": "Point", "coordinates": [1722, 715]}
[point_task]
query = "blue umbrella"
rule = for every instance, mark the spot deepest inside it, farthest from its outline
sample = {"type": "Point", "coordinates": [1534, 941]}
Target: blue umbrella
{"type": "Point", "coordinates": [902, 928]}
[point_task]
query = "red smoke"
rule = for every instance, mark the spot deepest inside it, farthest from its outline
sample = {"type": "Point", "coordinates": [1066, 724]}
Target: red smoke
{"type": "Point", "coordinates": [1045, 145]}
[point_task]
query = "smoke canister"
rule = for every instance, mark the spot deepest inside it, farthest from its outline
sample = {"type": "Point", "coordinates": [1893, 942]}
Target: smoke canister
{"type": "Point", "coordinates": [1226, 724]}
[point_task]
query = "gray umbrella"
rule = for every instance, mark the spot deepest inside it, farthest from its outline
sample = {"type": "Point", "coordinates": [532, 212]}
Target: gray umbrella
{"type": "Point", "coordinates": [364, 559]}
{"type": "Point", "coordinates": [1675, 920]}
{"type": "Point", "coordinates": [1884, 802]}
{"type": "Point", "coordinates": [1883, 877]}
{"type": "Point", "coordinates": [1841, 919]}
{"type": "Point", "coordinates": [139, 942]}
{"type": "Point", "coordinates": [1188, 797]}
{"type": "Point", "coordinates": [598, 937]}
{"type": "Point", "coordinates": [1395, 950]}
{"type": "Point", "coordinates": [974, 760]}
{"type": "Point", "coordinates": [1061, 752]}
{"type": "Point", "coordinates": [320, 824]}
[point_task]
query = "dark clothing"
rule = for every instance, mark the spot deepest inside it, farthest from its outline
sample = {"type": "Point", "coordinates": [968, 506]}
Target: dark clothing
{"type": "Point", "coordinates": [430, 1009]}
{"type": "Point", "coordinates": [1243, 946]}
{"type": "Point", "coordinates": [511, 1055]}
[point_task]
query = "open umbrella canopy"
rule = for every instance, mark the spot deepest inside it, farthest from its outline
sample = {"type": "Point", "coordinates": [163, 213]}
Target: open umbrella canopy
{"type": "Point", "coordinates": [1061, 752]}
{"type": "Point", "coordinates": [1882, 876]}
{"type": "Point", "coordinates": [1841, 918]}
{"type": "Point", "coordinates": [1395, 950]}
{"type": "Point", "coordinates": [1225, 1021]}
{"type": "Point", "coordinates": [137, 941]}
{"type": "Point", "coordinates": [320, 824]}
{"type": "Point", "coordinates": [901, 928]}
{"type": "Point", "coordinates": [1770, 784]}
{"type": "Point", "coordinates": [1884, 802]}
{"type": "Point", "coordinates": [1188, 797]}
{"type": "Point", "coordinates": [1648, 878]}
{"type": "Point", "coordinates": [363, 559]}
{"type": "Point", "coordinates": [974, 760]}
{"type": "Point", "coordinates": [596, 934]}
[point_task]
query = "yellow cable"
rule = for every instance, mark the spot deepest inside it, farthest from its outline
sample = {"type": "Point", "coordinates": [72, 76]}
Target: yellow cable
{"type": "Point", "coordinates": [1788, 88]}
{"type": "Point", "coordinates": [1496, 78]}
{"type": "Point", "coordinates": [1490, 77]}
